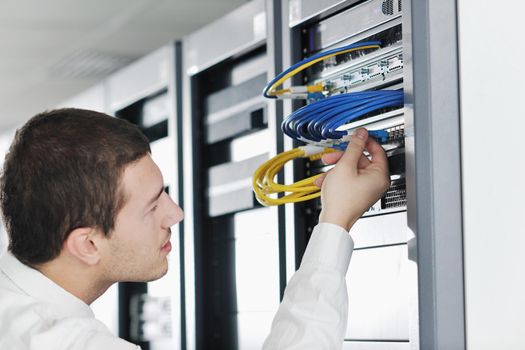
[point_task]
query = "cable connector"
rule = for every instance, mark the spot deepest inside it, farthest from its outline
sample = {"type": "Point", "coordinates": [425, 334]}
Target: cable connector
{"type": "Point", "coordinates": [310, 150]}
{"type": "Point", "coordinates": [381, 136]}
{"type": "Point", "coordinates": [315, 96]}
{"type": "Point", "coordinates": [315, 88]}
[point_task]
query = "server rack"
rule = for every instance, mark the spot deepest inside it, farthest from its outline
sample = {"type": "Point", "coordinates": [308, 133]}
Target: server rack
{"type": "Point", "coordinates": [419, 241]}
{"type": "Point", "coordinates": [232, 244]}
{"type": "Point", "coordinates": [147, 93]}
{"type": "Point", "coordinates": [379, 279]}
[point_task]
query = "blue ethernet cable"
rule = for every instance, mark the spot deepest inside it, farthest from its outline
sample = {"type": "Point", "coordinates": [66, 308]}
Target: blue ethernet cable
{"type": "Point", "coordinates": [316, 111]}
{"type": "Point", "coordinates": [289, 72]}
{"type": "Point", "coordinates": [329, 130]}
{"type": "Point", "coordinates": [319, 120]}
{"type": "Point", "coordinates": [319, 127]}
{"type": "Point", "coordinates": [380, 136]}
{"type": "Point", "coordinates": [335, 105]}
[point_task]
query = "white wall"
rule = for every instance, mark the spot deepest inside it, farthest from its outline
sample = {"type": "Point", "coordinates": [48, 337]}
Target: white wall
{"type": "Point", "coordinates": [492, 78]}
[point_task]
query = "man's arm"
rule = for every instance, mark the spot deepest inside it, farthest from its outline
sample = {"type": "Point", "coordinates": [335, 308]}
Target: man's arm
{"type": "Point", "coordinates": [314, 310]}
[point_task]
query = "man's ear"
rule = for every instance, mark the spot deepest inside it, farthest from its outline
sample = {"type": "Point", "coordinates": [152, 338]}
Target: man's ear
{"type": "Point", "coordinates": [81, 244]}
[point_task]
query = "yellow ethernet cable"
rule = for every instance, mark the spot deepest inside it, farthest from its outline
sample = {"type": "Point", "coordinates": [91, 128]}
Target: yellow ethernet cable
{"type": "Point", "coordinates": [264, 185]}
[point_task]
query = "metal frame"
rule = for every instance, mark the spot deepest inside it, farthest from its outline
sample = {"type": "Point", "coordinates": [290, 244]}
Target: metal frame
{"type": "Point", "coordinates": [274, 46]}
{"type": "Point", "coordinates": [434, 169]}
{"type": "Point", "coordinates": [175, 91]}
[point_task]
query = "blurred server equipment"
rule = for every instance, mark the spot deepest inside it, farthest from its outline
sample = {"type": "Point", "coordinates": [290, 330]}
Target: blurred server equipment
{"type": "Point", "coordinates": [232, 243]}
{"type": "Point", "coordinates": [146, 93]}
{"type": "Point", "coordinates": [150, 318]}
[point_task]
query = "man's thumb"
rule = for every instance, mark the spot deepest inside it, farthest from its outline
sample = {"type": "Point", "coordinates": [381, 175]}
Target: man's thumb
{"type": "Point", "coordinates": [355, 147]}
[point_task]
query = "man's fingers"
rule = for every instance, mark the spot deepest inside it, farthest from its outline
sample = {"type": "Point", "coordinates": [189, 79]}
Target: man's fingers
{"type": "Point", "coordinates": [319, 181]}
{"type": "Point", "coordinates": [355, 148]}
{"type": "Point", "coordinates": [377, 152]}
{"type": "Point", "coordinates": [363, 162]}
{"type": "Point", "coordinates": [331, 158]}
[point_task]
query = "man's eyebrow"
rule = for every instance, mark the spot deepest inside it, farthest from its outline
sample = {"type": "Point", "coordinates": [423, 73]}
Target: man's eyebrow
{"type": "Point", "coordinates": [150, 202]}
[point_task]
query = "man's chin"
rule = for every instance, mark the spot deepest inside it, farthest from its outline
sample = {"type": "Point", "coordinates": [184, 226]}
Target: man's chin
{"type": "Point", "coordinates": [151, 277]}
{"type": "Point", "coordinates": [160, 275]}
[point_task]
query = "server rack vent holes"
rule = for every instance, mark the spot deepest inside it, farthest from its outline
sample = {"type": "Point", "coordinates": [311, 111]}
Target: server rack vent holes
{"type": "Point", "coordinates": [396, 195]}
{"type": "Point", "coordinates": [389, 7]}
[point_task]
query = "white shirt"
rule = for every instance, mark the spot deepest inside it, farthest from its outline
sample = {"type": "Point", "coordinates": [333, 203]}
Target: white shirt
{"type": "Point", "coordinates": [314, 310]}
{"type": "Point", "coordinates": [37, 314]}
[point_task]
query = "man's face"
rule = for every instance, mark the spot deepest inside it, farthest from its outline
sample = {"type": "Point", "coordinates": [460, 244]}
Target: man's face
{"type": "Point", "coordinates": [138, 247]}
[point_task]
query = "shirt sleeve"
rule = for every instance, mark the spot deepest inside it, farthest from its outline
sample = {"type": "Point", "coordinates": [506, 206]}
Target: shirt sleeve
{"type": "Point", "coordinates": [314, 310]}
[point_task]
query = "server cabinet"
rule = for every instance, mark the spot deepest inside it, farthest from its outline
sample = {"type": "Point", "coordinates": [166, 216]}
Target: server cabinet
{"type": "Point", "coordinates": [405, 278]}
{"type": "Point", "coordinates": [380, 280]}
{"type": "Point", "coordinates": [232, 243]}
{"type": "Point", "coordinates": [147, 93]}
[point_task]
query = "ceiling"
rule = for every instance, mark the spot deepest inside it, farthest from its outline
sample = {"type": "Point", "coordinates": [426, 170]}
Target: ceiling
{"type": "Point", "coordinates": [53, 49]}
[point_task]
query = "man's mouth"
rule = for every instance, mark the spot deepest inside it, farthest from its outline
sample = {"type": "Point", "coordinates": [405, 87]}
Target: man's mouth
{"type": "Point", "coordinates": [166, 247]}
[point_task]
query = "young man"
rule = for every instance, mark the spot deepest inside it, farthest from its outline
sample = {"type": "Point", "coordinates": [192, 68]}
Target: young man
{"type": "Point", "coordinates": [84, 207]}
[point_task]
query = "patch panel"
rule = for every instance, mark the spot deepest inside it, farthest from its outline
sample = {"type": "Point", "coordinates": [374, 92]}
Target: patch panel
{"type": "Point", "coordinates": [392, 122]}
{"type": "Point", "coordinates": [396, 134]}
{"type": "Point", "coordinates": [383, 69]}
{"type": "Point", "coordinates": [390, 39]}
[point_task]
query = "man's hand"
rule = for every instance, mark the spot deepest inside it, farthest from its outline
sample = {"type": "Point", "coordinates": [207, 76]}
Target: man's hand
{"type": "Point", "coordinates": [355, 183]}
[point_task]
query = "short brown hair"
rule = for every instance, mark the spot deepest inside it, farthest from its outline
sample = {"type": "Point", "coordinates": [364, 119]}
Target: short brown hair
{"type": "Point", "coordinates": [63, 171]}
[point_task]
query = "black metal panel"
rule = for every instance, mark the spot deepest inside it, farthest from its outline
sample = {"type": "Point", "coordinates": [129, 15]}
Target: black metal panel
{"type": "Point", "coordinates": [235, 94]}
{"type": "Point", "coordinates": [235, 171]}
{"type": "Point", "coordinates": [126, 291]}
{"type": "Point", "coordinates": [154, 124]}
{"type": "Point", "coordinates": [219, 300]}
{"type": "Point", "coordinates": [215, 91]}
{"type": "Point", "coordinates": [238, 124]}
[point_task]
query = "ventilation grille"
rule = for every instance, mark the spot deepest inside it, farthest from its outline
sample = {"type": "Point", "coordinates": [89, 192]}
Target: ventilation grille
{"type": "Point", "coordinates": [391, 7]}
{"type": "Point", "coordinates": [396, 196]}
{"type": "Point", "coordinates": [86, 64]}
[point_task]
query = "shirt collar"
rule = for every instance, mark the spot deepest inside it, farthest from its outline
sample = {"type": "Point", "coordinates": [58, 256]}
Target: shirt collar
{"type": "Point", "coordinates": [35, 284]}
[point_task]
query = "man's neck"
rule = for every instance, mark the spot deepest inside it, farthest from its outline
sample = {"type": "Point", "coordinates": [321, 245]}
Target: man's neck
{"type": "Point", "coordinates": [82, 281]}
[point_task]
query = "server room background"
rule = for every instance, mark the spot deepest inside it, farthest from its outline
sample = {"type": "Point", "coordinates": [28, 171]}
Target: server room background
{"type": "Point", "coordinates": [228, 92]}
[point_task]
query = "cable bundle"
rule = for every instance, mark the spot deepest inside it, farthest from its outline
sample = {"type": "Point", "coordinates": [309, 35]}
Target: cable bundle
{"type": "Point", "coordinates": [270, 89]}
{"type": "Point", "coordinates": [263, 179]}
{"type": "Point", "coordinates": [319, 121]}
{"type": "Point", "coordinates": [317, 124]}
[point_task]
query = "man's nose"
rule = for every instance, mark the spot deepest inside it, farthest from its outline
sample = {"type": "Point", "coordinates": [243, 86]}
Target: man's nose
{"type": "Point", "coordinates": [175, 214]}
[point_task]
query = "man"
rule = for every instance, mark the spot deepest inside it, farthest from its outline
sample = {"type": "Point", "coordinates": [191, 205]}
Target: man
{"type": "Point", "coordinates": [84, 207]}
